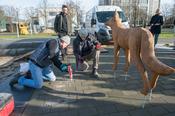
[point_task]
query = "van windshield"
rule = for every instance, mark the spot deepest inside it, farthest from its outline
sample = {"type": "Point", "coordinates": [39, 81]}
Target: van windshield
{"type": "Point", "coordinates": [104, 16]}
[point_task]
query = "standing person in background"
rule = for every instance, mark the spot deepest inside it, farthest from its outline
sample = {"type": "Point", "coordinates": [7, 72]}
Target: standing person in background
{"type": "Point", "coordinates": [62, 25]}
{"type": "Point", "coordinates": [155, 23]}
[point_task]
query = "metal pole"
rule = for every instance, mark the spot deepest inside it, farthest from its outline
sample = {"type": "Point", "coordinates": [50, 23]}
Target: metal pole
{"type": "Point", "coordinates": [77, 13]}
{"type": "Point", "coordinates": [130, 11]}
{"type": "Point", "coordinates": [159, 4]}
{"type": "Point", "coordinates": [148, 10]}
{"type": "Point", "coordinates": [17, 29]}
{"type": "Point", "coordinates": [31, 31]}
{"type": "Point", "coordinates": [138, 15]}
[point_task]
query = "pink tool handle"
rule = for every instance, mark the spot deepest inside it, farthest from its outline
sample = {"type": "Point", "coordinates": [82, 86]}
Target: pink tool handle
{"type": "Point", "coordinates": [70, 72]}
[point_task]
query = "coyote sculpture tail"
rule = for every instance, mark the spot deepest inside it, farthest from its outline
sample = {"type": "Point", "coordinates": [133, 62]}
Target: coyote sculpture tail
{"type": "Point", "coordinates": [138, 44]}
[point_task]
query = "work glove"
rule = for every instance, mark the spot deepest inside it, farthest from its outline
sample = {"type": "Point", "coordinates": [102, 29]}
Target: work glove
{"type": "Point", "coordinates": [64, 67]}
{"type": "Point", "coordinates": [80, 59]}
{"type": "Point", "coordinates": [97, 46]}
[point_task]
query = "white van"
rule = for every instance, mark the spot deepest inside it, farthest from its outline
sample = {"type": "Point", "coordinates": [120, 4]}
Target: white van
{"type": "Point", "coordinates": [97, 16]}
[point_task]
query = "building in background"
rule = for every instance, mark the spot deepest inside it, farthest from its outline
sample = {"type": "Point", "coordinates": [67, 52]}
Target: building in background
{"type": "Point", "coordinates": [137, 11]}
{"type": "Point", "coordinates": [46, 17]}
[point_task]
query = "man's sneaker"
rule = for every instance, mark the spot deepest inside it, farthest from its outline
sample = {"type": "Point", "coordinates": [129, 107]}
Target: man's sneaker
{"type": "Point", "coordinates": [14, 80]}
{"type": "Point", "coordinates": [95, 74]}
{"type": "Point", "coordinates": [28, 75]}
{"type": "Point", "coordinates": [84, 66]}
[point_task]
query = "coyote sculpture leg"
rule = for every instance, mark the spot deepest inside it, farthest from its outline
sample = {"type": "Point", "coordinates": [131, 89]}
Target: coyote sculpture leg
{"type": "Point", "coordinates": [116, 57]}
{"type": "Point", "coordinates": [143, 73]}
{"type": "Point", "coordinates": [153, 80]}
{"type": "Point", "coordinates": [127, 60]}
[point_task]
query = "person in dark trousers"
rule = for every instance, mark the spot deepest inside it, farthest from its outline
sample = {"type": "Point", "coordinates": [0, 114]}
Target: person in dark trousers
{"type": "Point", "coordinates": [40, 63]}
{"type": "Point", "coordinates": [62, 25]}
{"type": "Point", "coordinates": [85, 48]}
{"type": "Point", "coordinates": [155, 23]}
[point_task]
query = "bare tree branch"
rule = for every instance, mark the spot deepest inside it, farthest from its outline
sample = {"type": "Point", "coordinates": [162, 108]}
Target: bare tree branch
{"type": "Point", "coordinates": [30, 12]}
{"type": "Point", "coordinates": [43, 11]}
{"type": "Point", "coordinates": [166, 11]}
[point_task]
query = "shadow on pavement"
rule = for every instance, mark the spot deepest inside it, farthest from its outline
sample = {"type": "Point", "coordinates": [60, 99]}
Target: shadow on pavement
{"type": "Point", "coordinates": [53, 105]}
{"type": "Point", "coordinates": [95, 94]}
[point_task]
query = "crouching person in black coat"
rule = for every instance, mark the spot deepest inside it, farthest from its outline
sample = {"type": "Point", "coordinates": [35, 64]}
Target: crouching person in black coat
{"type": "Point", "coordinates": [85, 48]}
{"type": "Point", "coordinates": [40, 63]}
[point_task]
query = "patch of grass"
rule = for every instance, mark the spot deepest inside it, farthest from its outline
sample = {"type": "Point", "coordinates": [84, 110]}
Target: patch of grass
{"type": "Point", "coordinates": [167, 35]}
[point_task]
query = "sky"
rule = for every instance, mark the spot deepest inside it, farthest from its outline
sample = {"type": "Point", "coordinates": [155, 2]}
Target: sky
{"type": "Point", "coordinates": [84, 4]}
{"type": "Point", "coordinates": [21, 4]}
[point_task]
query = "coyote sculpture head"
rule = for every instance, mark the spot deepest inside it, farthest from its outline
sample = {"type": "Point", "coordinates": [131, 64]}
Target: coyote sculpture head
{"type": "Point", "coordinates": [115, 20]}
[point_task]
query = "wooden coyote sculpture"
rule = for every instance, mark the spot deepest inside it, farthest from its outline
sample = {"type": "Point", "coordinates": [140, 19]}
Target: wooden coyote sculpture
{"type": "Point", "coordinates": [138, 44]}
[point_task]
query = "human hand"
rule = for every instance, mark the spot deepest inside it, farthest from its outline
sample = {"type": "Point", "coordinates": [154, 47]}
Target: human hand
{"type": "Point", "coordinates": [64, 67]}
{"type": "Point", "coordinates": [81, 59]}
{"type": "Point", "coordinates": [98, 46]}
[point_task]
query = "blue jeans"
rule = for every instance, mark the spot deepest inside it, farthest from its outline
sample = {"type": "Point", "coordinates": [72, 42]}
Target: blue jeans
{"type": "Point", "coordinates": [156, 36]}
{"type": "Point", "coordinates": [37, 76]}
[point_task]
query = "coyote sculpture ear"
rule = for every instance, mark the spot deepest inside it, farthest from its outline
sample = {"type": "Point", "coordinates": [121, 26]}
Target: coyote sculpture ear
{"type": "Point", "coordinates": [116, 13]}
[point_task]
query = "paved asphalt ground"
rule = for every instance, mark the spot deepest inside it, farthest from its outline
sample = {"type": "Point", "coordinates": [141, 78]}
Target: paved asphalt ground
{"type": "Point", "coordinates": [108, 96]}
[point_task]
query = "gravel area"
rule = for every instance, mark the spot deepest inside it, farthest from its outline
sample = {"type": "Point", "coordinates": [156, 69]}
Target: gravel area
{"type": "Point", "coordinates": [7, 68]}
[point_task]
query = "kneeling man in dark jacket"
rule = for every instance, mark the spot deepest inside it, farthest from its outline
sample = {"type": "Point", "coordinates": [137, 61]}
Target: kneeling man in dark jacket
{"type": "Point", "coordinates": [85, 48]}
{"type": "Point", "coordinates": [40, 63]}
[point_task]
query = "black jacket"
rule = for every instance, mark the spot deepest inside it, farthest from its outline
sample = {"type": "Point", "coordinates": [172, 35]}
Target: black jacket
{"type": "Point", "coordinates": [84, 47]}
{"type": "Point", "coordinates": [156, 22]}
{"type": "Point", "coordinates": [47, 53]}
{"type": "Point", "coordinates": [61, 24]}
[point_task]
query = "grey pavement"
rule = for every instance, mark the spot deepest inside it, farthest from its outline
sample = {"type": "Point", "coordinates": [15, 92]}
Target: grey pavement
{"type": "Point", "coordinates": [166, 41]}
{"type": "Point", "coordinates": [108, 96]}
{"type": "Point", "coordinates": [17, 46]}
{"type": "Point", "coordinates": [86, 96]}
